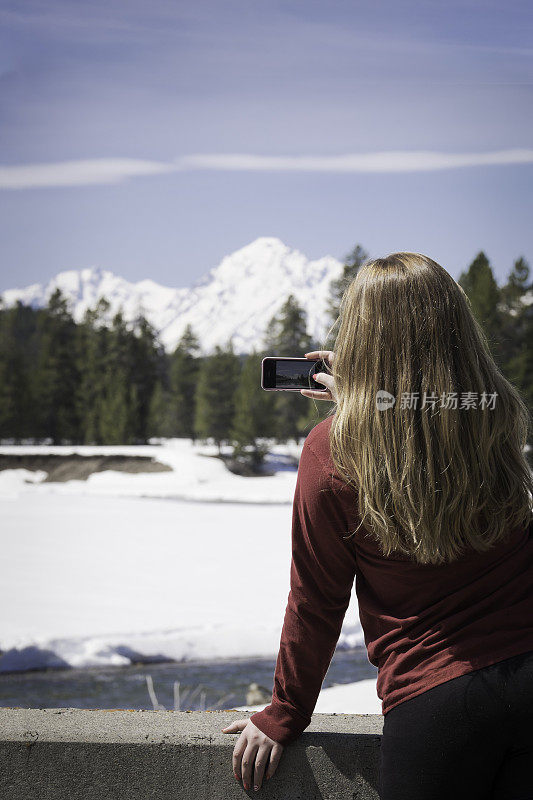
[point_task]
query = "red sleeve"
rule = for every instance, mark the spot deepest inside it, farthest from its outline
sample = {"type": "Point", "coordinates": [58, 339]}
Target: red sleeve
{"type": "Point", "coordinates": [322, 572]}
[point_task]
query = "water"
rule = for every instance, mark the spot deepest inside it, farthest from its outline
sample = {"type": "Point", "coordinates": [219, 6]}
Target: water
{"type": "Point", "coordinates": [126, 687]}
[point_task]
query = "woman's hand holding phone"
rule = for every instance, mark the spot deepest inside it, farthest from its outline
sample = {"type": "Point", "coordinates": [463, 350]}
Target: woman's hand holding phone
{"type": "Point", "coordinates": [322, 377]}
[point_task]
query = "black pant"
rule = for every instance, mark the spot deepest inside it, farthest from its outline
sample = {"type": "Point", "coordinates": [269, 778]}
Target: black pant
{"type": "Point", "coordinates": [471, 738]}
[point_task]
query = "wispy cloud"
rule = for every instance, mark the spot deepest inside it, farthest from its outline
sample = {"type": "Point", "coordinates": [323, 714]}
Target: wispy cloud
{"type": "Point", "coordinates": [388, 161]}
{"type": "Point", "coordinates": [87, 172]}
{"type": "Point", "coordinates": [84, 172]}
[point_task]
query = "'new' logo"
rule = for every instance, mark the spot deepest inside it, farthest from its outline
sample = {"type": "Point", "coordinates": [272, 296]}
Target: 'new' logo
{"type": "Point", "coordinates": [384, 400]}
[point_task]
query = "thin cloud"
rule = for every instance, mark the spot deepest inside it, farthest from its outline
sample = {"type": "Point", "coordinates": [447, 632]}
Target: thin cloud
{"type": "Point", "coordinates": [105, 171]}
{"type": "Point", "coordinates": [84, 172]}
{"type": "Point", "coordinates": [390, 161]}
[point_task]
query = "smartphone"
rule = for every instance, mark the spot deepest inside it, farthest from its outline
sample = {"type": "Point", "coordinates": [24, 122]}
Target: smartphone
{"type": "Point", "coordinates": [286, 374]}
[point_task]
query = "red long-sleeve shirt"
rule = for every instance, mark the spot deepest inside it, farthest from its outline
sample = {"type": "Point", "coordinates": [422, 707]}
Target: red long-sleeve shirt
{"type": "Point", "coordinates": [422, 624]}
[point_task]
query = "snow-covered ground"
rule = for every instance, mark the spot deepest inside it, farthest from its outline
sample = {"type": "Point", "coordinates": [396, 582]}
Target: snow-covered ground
{"type": "Point", "coordinates": [345, 698]}
{"type": "Point", "coordinates": [196, 474]}
{"type": "Point", "coordinates": [121, 565]}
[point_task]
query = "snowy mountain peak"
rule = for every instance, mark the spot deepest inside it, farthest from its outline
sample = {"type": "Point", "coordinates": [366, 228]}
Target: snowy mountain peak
{"type": "Point", "coordinates": [263, 243]}
{"type": "Point", "coordinates": [92, 274]}
{"type": "Point", "coordinates": [77, 283]}
{"type": "Point", "coordinates": [235, 300]}
{"type": "Point", "coordinates": [264, 249]}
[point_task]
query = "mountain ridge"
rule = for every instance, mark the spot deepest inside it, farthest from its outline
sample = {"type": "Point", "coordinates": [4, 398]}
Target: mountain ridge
{"type": "Point", "coordinates": [235, 299]}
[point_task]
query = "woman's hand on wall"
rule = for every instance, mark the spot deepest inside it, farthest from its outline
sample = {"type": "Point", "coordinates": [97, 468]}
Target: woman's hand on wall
{"type": "Point", "coordinates": [252, 752]}
{"type": "Point", "coordinates": [322, 377]}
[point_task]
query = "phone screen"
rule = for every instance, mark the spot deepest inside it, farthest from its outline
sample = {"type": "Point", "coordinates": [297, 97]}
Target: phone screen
{"type": "Point", "coordinates": [288, 373]}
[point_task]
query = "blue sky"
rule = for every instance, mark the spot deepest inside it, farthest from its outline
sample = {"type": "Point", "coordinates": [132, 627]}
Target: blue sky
{"type": "Point", "coordinates": [152, 138]}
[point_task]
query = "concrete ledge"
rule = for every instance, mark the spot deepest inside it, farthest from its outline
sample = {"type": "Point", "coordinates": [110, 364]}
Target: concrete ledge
{"type": "Point", "coordinates": [72, 754]}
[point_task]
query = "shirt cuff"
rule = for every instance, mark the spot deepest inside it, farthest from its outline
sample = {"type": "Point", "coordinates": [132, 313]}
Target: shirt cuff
{"type": "Point", "coordinates": [278, 724]}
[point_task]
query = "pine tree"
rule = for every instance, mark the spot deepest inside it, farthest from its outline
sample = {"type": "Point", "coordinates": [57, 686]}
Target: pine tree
{"type": "Point", "coordinates": [254, 412]}
{"type": "Point", "coordinates": [147, 358]}
{"type": "Point", "coordinates": [215, 396]}
{"type": "Point", "coordinates": [92, 346]}
{"type": "Point", "coordinates": [519, 332]}
{"type": "Point", "coordinates": [17, 365]}
{"type": "Point", "coordinates": [517, 285]}
{"type": "Point", "coordinates": [184, 372]}
{"type": "Point", "coordinates": [481, 288]}
{"type": "Point", "coordinates": [506, 319]}
{"type": "Point", "coordinates": [513, 311]}
{"type": "Point", "coordinates": [352, 263]}
{"type": "Point", "coordinates": [161, 423]}
{"type": "Point", "coordinates": [117, 408]}
{"type": "Point", "coordinates": [287, 336]}
{"type": "Point", "coordinates": [118, 421]}
{"type": "Point", "coordinates": [57, 375]}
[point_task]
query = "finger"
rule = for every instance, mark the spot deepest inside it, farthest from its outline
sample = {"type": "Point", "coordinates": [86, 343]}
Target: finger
{"type": "Point", "coordinates": [275, 755]}
{"type": "Point", "coordinates": [247, 762]}
{"type": "Point", "coordinates": [327, 380]}
{"type": "Point", "coordinates": [238, 751]}
{"type": "Point", "coordinates": [316, 395]}
{"type": "Point", "coordinates": [328, 355]}
{"type": "Point", "coordinates": [234, 727]}
{"type": "Point", "coordinates": [261, 760]}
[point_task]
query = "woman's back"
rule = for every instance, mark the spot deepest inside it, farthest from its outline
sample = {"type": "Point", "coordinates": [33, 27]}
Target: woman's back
{"type": "Point", "coordinates": [429, 510]}
{"type": "Point", "coordinates": [427, 623]}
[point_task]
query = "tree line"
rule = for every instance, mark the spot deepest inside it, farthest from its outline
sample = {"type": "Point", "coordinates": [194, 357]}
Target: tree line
{"type": "Point", "coordinates": [111, 382]}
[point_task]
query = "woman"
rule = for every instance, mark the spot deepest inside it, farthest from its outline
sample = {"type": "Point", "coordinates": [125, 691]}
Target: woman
{"type": "Point", "coordinates": [415, 486]}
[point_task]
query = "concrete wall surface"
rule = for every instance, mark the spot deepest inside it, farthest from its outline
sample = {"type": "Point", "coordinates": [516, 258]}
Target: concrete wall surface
{"type": "Point", "coordinates": [73, 754]}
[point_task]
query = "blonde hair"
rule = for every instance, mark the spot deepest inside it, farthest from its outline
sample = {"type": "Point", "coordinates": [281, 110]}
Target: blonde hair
{"type": "Point", "coordinates": [433, 480]}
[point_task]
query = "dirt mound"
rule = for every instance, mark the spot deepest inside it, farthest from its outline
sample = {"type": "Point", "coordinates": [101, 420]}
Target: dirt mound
{"type": "Point", "coordinates": [77, 467]}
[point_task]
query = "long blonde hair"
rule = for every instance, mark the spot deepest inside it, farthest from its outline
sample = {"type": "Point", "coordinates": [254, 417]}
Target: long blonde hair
{"type": "Point", "coordinates": [431, 480]}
